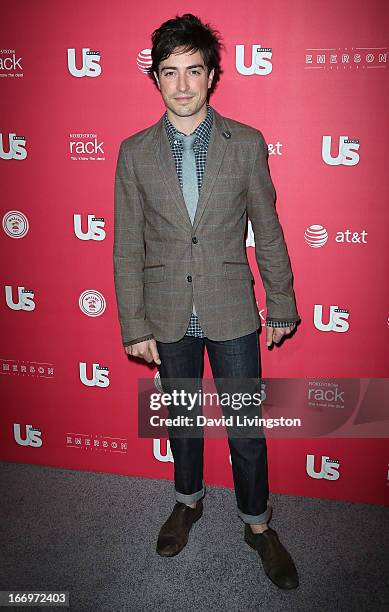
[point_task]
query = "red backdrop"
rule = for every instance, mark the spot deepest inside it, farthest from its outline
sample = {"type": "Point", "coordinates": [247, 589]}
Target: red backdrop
{"type": "Point", "coordinates": [313, 77]}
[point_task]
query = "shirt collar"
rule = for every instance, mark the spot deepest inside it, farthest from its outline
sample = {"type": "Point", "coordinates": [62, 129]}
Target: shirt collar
{"type": "Point", "coordinates": [203, 131]}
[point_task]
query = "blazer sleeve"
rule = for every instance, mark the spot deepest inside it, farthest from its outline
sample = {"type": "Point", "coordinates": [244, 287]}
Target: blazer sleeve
{"type": "Point", "coordinates": [131, 342]}
{"type": "Point", "coordinates": [270, 248]}
{"type": "Point", "coordinates": [129, 251]}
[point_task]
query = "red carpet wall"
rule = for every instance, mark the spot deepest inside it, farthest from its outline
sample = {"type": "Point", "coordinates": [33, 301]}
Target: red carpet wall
{"type": "Point", "coordinates": [313, 77]}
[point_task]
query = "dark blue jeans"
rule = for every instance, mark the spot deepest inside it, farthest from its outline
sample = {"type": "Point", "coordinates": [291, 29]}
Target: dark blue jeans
{"type": "Point", "coordinates": [237, 358]}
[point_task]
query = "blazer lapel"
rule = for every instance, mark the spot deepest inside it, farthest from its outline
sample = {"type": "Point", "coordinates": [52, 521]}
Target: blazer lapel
{"type": "Point", "coordinates": [167, 167]}
{"type": "Point", "coordinates": [216, 149]}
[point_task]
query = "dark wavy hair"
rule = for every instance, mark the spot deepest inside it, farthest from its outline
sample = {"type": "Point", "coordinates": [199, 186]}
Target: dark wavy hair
{"type": "Point", "coordinates": [190, 33]}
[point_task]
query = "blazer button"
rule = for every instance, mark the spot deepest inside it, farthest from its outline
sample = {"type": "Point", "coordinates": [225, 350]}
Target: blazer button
{"type": "Point", "coordinates": [189, 278]}
{"type": "Point", "coordinates": [194, 240]}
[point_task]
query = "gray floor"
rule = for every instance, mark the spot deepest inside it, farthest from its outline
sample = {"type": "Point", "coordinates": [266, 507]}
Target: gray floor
{"type": "Point", "coordinates": [94, 534]}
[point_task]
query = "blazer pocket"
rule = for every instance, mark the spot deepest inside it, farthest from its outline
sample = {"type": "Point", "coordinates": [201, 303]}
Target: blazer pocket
{"type": "Point", "coordinates": [154, 274]}
{"type": "Point", "coordinates": [240, 270]}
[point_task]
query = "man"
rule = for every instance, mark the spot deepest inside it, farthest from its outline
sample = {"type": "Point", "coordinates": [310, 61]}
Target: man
{"type": "Point", "coordinates": [183, 190]}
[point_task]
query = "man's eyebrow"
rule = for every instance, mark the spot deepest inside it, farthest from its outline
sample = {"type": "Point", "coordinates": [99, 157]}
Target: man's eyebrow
{"type": "Point", "coordinates": [187, 67]}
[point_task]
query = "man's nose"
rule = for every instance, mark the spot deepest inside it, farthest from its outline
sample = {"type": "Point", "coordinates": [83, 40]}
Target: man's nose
{"type": "Point", "coordinates": [182, 82]}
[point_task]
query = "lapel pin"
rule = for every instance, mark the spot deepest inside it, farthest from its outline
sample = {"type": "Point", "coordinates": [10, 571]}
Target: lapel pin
{"type": "Point", "coordinates": [227, 134]}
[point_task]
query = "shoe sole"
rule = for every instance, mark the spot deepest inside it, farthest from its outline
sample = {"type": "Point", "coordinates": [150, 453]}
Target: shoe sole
{"type": "Point", "coordinates": [161, 554]}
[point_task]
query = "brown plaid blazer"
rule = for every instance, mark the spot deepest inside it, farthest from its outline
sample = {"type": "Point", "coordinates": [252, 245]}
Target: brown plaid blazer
{"type": "Point", "coordinates": [162, 262]}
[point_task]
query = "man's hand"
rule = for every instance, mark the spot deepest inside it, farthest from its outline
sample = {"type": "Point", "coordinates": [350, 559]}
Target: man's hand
{"type": "Point", "coordinates": [274, 334]}
{"type": "Point", "coordinates": [147, 349]}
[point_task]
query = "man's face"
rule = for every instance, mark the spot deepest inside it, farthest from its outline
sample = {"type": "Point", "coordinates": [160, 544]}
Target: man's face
{"type": "Point", "coordinates": [184, 82]}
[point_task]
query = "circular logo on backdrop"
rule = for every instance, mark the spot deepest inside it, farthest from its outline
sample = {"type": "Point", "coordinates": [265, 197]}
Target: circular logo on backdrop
{"type": "Point", "coordinates": [92, 303]}
{"type": "Point", "coordinates": [316, 236]}
{"type": "Point", "coordinates": [15, 224]}
{"type": "Point", "coordinates": [143, 60]}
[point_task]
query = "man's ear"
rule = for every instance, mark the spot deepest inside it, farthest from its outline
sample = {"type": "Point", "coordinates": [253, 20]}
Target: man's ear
{"type": "Point", "coordinates": [156, 78]}
{"type": "Point", "coordinates": [210, 77]}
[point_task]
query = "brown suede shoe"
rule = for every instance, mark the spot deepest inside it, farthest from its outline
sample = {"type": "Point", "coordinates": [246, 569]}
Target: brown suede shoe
{"type": "Point", "coordinates": [174, 533]}
{"type": "Point", "coordinates": [276, 561]}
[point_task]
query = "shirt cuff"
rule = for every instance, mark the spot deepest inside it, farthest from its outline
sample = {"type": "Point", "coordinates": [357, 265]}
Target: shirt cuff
{"type": "Point", "coordinates": [271, 323]}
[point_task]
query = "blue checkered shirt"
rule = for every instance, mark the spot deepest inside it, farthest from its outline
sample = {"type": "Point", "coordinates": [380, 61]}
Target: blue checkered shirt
{"type": "Point", "coordinates": [200, 148]}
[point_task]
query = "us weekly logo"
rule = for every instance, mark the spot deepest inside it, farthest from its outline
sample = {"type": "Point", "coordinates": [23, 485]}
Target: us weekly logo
{"type": "Point", "coordinates": [91, 228]}
{"type": "Point", "coordinates": [253, 60]}
{"type": "Point", "coordinates": [29, 436]}
{"type": "Point", "coordinates": [345, 153]}
{"type": "Point", "coordinates": [98, 377]}
{"type": "Point", "coordinates": [328, 468]}
{"type": "Point", "coordinates": [335, 319]}
{"type": "Point", "coordinates": [84, 62]}
{"type": "Point", "coordinates": [12, 146]}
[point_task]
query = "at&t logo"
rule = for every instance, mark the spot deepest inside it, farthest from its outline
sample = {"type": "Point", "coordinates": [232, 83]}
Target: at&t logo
{"type": "Point", "coordinates": [337, 320]}
{"type": "Point", "coordinates": [347, 151]}
{"type": "Point", "coordinates": [260, 60]}
{"type": "Point", "coordinates": [143, 60]}
{"type": "Point", "coordinates": [329, 469]}
{"type": "Point", "coordinates": [316, 236]}
{"type": "Point", "coordinates": [90, 63]}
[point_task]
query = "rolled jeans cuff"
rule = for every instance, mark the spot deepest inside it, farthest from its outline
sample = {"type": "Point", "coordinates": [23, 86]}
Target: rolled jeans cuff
{"type": "Point", "coordinates": [259, 518]}
{"type": "Point", "coordinates": [192, 497]}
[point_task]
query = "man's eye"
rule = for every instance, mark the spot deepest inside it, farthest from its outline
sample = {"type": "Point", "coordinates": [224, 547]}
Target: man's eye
{"type": "Point", "coordinates": [168, 74]}
{"type": "Point", "coordinates": [195, 72]}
